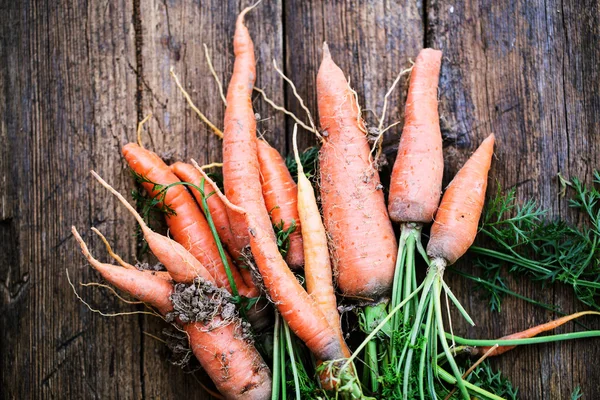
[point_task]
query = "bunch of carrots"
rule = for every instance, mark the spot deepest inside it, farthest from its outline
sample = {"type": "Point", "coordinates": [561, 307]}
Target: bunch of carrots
{"type": "Point", "coordinates": [253, 271]}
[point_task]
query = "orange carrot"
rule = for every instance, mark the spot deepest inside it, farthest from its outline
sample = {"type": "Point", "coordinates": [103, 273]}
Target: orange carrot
{"type": "Point", "coordinates": [363, 244]}
{"type": "Point", "coordinates": [457, 218]}
{"type": "Point", "coordinates": [416, 182]}
{"type": "Point", "coordinates": [317, 265]}
{"type": "Point", "coordinates": [529, 333]}
{"type": "Point", "coordinates": [295, 305]}
{"type": "Point", "coordinates": [143, 285]}
{"type": "Point", "coordinates": [231, 361]}
{"type": "Point", "coordinates": [241, 171]}
{"type": "Point", "coordinates": [182, 265]}
{"type": "Point", "coordinates": [281, 197]}
{"type": "Point", "coordinates": [188, 225]}
{"type": "Point", "coordinates": [218, 211]}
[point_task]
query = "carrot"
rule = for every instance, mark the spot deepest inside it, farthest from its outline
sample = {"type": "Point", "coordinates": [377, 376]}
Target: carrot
{"type": "Point", "coordinates": [143, 285]}
{"type": "Point", "coordinates": [362, 240]}
{"type": "Point", "coordinates": [529, 333]}
{"type": "Point", "coordinates": [182, 265]}
{"type": "Point", "coordinates": [457, 218]}
{"type": "Point", "coordinates": [231, 361]}
{"type": "Point", "coordinates": [416, 182]}
{"type": "Point", "coordinates": [317, 266]}
{"type": "Point", "coordinates": [218, 211]}
{"type": "Point", "coordinates": [241, 171]}
{"type": "Point", "coordinates": [280, 193]}
{"type": "Point", "coordinates": [188, 225]}
{"type": "Point", "coordinates": [294, 304]}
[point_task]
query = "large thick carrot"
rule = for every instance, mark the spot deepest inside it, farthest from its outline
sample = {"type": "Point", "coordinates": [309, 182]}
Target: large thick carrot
{"type": "Point", "coordinates": [529, 333]}
{"type": "Point", "coordinates": [293, 303]}
{"type": "Point", "coordinates": [143, 285]}
{"type": "Point", "coordinates": [188, 225]}
{"type": "Point", "coordinates": [457, 218]}
{"type": "Point", "coordinates": [241, 171]}
{"type": "Point", "coordinates": [231, 361]}
{"type": "Point", "coordinates": [317, 265]}
{"type": "Point", "coordinates": [280, 193]}
{"type": "Point", "coordinates": [416, 182]}
{"type": "Point", "coordinates": [363, 244]}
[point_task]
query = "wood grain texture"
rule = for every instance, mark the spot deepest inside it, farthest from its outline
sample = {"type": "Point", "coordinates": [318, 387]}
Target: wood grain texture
{"type": "Point", "coordinates": [77, 76]}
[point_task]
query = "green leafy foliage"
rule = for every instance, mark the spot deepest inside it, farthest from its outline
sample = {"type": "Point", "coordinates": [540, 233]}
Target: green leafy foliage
{"type": "Point", "coordinates": [485, 377]}
{"type": "Point", "coordinates": [546, 250]}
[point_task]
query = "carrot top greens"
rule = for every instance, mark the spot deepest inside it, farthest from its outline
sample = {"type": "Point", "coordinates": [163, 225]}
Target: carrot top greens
{"type": "Point", "coordinates": [547, 250]}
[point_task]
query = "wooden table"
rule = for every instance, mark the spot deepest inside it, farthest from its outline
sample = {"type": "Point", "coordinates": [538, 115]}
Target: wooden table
{"type": "Point", "coordinates": [77, 76]}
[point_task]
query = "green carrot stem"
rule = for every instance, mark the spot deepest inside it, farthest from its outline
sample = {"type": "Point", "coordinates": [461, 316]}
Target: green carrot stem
{"type": "Point", "coordinates": [518, 342]}
{"type": "Point", "coordinates": [275, 385]}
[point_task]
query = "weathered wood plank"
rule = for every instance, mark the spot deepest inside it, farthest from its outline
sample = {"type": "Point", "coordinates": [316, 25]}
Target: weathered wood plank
{"type": "Point", "coordinates": [523, 70]}
{"type": "Point", "coordinates": [67, 97]}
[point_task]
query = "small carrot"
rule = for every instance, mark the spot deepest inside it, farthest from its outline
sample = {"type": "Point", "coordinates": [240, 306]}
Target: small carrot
{"type": "Point", "coordinates": [363, 244]}
{"type": "Point", "coordinates": [317, 265]}
{"type": "Point", "coordinates": [187, 225]}
{"type": "Point", "coordinates": [280, 193]}
{"type": "Point", "coordinates": [293, 303]}
{"type": "Point", "coordinates": [416, 182]}
{"type": "Point", "coordinates": [143, 285]}
{"type": "Point", "coordinates": [182, 265]}
{"type": "Point", "coordinates": [529, 333]}
{"type": "Point", "coordinates": [457, 218]}
{"type": "Point", "coordinates": [241, 170]}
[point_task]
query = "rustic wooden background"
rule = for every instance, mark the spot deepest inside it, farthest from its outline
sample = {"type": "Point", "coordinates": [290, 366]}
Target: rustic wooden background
{"type": "Point", "coordinates": [76, 77]}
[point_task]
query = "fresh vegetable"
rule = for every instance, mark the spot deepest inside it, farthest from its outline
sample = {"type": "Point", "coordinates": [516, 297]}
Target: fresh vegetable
{"type": "Point", "coordinates": [544, 249]}
{"type": "Point", "coordinates": [186, 223]}
{"type": "Point", "coordinates": [363, 246]}
{"type": "Point", "coordinates": [241, 170]}
{"type": "Point", "coordinates": [180, 263]}
{"type": "Point", "coordinates": [143, 285]}
{"type": "Point", "coordinates": [281, 198]}
{"type": "Point", "coordinates": [224, 351]}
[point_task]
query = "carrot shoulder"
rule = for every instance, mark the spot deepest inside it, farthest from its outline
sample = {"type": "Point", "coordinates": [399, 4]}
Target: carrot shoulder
{"type": "Point", "coordinates": [187, 225]}
{"type": "Point", "coordinates": [280, 193]}
{"type": "Point", "coordinates": [363, 244]}
{"type": "Point", "coordinates": [457, 218]}
{"type": "Point", "coordinates": [416, 182]}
